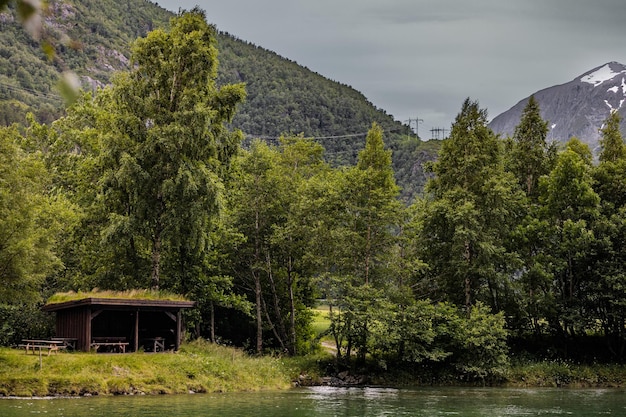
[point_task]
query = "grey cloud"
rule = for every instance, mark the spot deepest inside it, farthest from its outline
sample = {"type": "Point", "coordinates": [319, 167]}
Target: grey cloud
{"type": "Point", "coordinates": [427, 56]}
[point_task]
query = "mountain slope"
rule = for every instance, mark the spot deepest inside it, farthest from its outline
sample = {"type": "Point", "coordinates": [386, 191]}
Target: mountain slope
{"type": "Point", "coordinates": [577, 108]}
{"type": "Point", "coordinates": [283, 97]}
{"type": "Point", "coordinates": [91, 37]}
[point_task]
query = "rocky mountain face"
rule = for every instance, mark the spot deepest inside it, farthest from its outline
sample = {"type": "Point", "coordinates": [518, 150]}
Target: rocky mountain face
{"type": "Point", "coordinates": [577, 108]}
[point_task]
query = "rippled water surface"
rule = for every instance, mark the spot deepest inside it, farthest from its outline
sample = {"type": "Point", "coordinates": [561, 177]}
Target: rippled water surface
{"type": "Point", "coordinates": [344, 402]}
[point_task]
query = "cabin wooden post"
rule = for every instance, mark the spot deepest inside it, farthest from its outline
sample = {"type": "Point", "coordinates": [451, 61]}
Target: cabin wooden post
{"type": "Point", "coordinates": [136, 333]}
{"type": "Point", "coordinates": [86, 342]}
{"type": "Point", "coordinates": [178, 329]}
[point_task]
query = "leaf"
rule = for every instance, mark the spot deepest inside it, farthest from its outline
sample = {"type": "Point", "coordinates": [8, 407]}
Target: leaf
{"type": "Point", "coordinates": [69, 86]}
{"type": "Point", "coordinates": [28, 11]}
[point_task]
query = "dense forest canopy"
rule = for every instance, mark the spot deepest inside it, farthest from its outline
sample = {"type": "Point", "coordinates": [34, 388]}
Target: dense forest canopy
{"type": "Point", "coordinates": [513, 245]}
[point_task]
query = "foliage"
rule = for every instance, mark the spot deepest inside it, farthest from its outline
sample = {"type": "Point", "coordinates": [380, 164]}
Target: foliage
{"type": "Point", "coordinates": [55, 45]}
{"type": "Point", "coordinates": [23, 321]}
{"type": "Point", "coordinates": [352, 218]}
{"type": "Point", "coordinates": [170, 146]}
{"type": "Point", "coordinates": [559, 373]}
{"type": "Point", "coordinates": [32, 217]}
{"type": "Point", "coordinates": [431, 334]}
{"type": "Point", "coordinates": [483, 351]}
{"type": "Point", "coordinates": [144, 183]}
{"type": "Point", "coordinates": [157, 150]}
{"type": "Point", "coordinates": [264, 208]}
{"type": "Point", "coordinates": [529, 155]}
{"type": "Point", "coordinates": [608, 281]}
{"type": "Point", "coordinates": [611, 141]}
{"type": "Point", "coordinates": [467, 218]}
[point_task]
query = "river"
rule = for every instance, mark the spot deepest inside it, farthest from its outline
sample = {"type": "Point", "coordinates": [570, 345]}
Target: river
{"type": "Point", "coordinates": [344, 402]}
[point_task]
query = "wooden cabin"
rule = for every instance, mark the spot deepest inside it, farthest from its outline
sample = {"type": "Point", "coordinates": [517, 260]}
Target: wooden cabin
{"type": "Point", "coordinates": [119, 325]}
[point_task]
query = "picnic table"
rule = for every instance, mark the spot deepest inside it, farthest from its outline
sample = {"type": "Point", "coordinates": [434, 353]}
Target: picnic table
{"type": "Point", "coordinates": [154, 344]}
{"type": "Point", "coordinates": [109, 344]}
{"type": "Point", "coordinates": [69, 342]}
{"type": "Point", "coordinates": [37, 345]}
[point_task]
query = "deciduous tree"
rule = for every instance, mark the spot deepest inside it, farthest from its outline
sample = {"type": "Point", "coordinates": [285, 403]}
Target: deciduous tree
{"type": "Point", "coordinates": [162, 151]}
{"type": "Point", "coordinates": [32, 218]}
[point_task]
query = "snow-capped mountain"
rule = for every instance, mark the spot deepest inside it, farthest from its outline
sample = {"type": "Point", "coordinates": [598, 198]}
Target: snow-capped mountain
{"type": "Point", "coordinates": [577, 108]}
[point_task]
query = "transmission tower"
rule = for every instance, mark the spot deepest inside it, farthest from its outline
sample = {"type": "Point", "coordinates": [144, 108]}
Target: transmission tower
{"type": "Point", "coordinates": [417, 122]}
{"type": "Point", "coordinates": [438, 133]}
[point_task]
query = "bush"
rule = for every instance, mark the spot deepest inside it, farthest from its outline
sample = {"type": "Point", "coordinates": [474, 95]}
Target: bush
{"type": "Point", "coordinates": [481, 344]}
{"type": "Point", "coordinates": [25, 321]}
{"type": "Point", "coordinates": [443, 338]}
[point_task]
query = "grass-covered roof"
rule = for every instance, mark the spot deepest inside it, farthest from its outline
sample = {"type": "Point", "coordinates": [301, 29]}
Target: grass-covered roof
{"type": "Point", "coordinates": [146, 295]}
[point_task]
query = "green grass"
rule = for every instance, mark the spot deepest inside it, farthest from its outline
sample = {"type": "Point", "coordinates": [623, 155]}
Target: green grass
{"type": "Point", "coordinates": [197, 367]}
{"type": "Point", "coordinates": [564, 374]}
{"type": "Point", "coordinates": [62, 297]}
{"type": "Point", "coordinates": [321, 321]}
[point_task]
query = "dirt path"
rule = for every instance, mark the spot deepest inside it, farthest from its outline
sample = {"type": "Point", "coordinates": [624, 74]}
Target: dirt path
{"type": "Point", "coordinates": [329, 347]}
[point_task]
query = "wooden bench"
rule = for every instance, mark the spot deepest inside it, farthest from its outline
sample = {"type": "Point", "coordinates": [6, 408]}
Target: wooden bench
{"type": "Point", "coordinates": [39, 345]}
{"type": "Point", "coordinates": [109, 344]}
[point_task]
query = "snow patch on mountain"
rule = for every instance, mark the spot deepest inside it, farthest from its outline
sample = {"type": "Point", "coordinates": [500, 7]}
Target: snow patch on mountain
{"type": "Point", "coordinates": [615, 89]}
{"type": "Point", "coordinates": [600, 75]}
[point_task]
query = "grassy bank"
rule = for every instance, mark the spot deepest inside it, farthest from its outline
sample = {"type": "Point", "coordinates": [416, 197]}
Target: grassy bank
{"type": "Point", "coordinates": [547, 374]}
{"type": "Point", "coordinates": [203, 367]}
{"type": "Point", "coordinates": [197, 367]}
{"type": "Point", "coordinates": [565, 374]}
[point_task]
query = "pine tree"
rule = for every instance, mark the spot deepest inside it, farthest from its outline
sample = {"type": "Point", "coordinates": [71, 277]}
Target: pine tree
{"type": "Point", "coordinates": [529, 158]}
{"type": "Point", "coordinates": [468, 217]}
{"type": "Point", "coordinates": [570, 208]}
{"type": "Point", "coordinates": [612, 143]}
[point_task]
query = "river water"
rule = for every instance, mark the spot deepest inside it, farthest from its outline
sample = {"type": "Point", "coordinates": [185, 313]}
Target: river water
{"type": "Point", "coordinates": [344, 402]}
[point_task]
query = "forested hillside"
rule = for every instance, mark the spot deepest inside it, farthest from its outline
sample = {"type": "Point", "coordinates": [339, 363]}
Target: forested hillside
{"type": "Point", "coordinates": [92, 38]}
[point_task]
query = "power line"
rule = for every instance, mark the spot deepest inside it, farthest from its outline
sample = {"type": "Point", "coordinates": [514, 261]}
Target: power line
{"type": "Point", "coordinates": [351, 135]}
{"type": "Point", "coordinates": [252, 136]}
{"type": "Point", "coordinates": [248, 135]}
{"type": "Point", "coordinates": [16, 88]}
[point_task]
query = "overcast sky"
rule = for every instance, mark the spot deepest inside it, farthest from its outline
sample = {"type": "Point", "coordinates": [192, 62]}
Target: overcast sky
{"type": "Point", "coordinates": [422, 58]}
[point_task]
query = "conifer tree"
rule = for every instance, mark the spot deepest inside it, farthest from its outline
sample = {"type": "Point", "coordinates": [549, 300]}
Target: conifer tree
{"type": "Point", "coordinates": [472, 207]}
{"type": "Point", "coordinates": [570, 207]}
{"type": "Point", "coordinates": [612, 143]}
{"type": "Point", "coordinates": [529, 158]}
{"type": "Point", "coordinates": [609, 280]}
